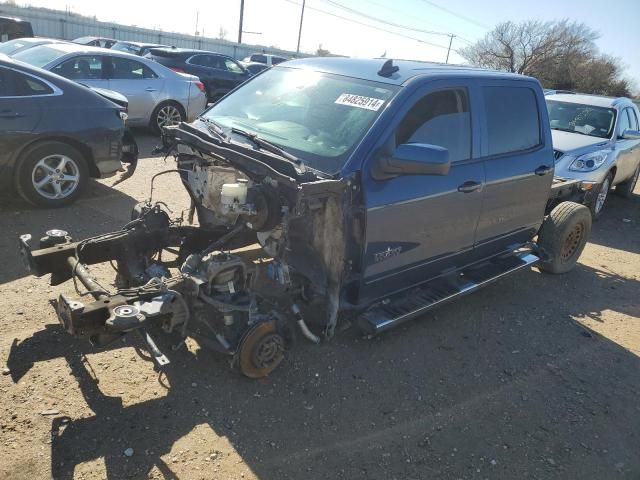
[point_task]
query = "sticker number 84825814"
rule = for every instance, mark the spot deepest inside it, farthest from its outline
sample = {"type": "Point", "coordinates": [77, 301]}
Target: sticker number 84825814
{"type": "Point", "coordinates": [368, 103]}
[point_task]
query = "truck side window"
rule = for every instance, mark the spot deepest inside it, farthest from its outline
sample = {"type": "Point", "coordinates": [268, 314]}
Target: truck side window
{"type": "Point", "coordinates": [440, 118]}
{"type": "Point", "coordinates": [511, 118]}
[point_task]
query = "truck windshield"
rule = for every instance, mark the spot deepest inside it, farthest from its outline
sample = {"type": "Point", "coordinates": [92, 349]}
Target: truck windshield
{"type": "Point", "coordinates": [582, 119]}
{"type": "Point", "coordinates": [317, 117]}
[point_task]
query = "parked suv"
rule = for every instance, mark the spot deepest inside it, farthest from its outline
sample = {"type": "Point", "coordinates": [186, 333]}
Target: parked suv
{"type": "Point", "coordinates": [219, 73]}
{"type": "Point", "coordinates": [157, 96]}
{"type": "Point", "coordinates": [55, 134]}
{"type": "Point", "coordinates": [596, 140]}
{"type": "Point", "coordinates": [265, 58]}
{"type": "Point", "coordinates": [332, 191]}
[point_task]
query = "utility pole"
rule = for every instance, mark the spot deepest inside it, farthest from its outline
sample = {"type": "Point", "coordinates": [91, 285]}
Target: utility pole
{"type": "Point", "coordinates": [197, 18]}
{"type": "Point", "coordinates": [241, 18]}
{"type": "Point", "coordinates": [449, 49]}
{"type": "Point", "coordinates": [300, 30]}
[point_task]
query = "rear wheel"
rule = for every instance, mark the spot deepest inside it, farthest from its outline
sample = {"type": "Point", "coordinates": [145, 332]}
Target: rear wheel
{"type": "Point", "coordinates": [51, 174]}
{"type": "Point", "coordinates": [167, 114]}
{"type": "Point", "coordinates": [625, 189]}
{"type": "Point", "coordinates": [563, 235]}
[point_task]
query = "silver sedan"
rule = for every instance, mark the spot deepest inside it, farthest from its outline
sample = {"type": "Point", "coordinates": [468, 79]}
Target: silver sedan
{"type": "Point", "coordinates": [157, 95]}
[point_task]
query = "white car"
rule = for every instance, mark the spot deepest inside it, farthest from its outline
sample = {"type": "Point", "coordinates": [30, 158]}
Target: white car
{"type": "Point", "coordinates": [157, 95]}
{"type": "Point", "coordinates": [596, 140]}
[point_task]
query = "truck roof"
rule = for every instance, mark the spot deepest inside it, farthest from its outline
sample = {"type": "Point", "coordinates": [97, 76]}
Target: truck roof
{"type": "Point", "coordinates": [368, 68]}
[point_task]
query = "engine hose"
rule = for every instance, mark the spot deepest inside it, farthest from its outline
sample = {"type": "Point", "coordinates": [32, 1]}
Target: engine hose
{"type": "Point", "coordinates": [308, 334]}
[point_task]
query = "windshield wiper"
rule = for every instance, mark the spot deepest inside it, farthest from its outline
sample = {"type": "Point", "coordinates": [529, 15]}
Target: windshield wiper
{"type": "Point", "coordinates": [267, 145]}
{"type": "Point", "coordinates": [213, 127]}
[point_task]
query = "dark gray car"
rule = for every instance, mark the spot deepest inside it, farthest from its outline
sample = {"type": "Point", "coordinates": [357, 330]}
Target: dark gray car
{"type": "Point", "coordinates": [55, 134]}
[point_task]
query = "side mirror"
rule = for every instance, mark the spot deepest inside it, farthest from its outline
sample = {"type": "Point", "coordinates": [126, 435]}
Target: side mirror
{"type": "Point", "coordinates": [413, 159]}
{"type": "Point", "coordinates": [629, 134]}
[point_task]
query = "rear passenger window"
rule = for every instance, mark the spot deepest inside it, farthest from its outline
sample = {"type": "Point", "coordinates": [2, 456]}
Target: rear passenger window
{"type": "Point", "coordinates": [127, 69]}
{"type": "Point", "coordinates": [4, 83]}
{"type": "Point", "coordinates": [202, 60]}
{"type": "Point", "coordinates": [440, 118]}
{"type": "Point", "coordinates": [81, 68]}
{"type": "Point", "coordinates": [511, 119]}
{"type": "Point", "coordinates": [14, 84]}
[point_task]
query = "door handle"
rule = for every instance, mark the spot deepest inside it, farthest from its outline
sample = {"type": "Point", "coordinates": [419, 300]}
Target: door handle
{"type": "Point", "coordinates": [470, 186]}
{"type": "Point", "coordinates": [149, 89]}
{"type": "Point", "coordinates": [10, 114]}
{"type": "Point", "coordinates": [542, 170]}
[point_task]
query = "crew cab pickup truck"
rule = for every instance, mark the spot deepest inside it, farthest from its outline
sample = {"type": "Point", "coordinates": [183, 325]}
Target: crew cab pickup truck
{"type": "Point", "coordinates": [330, 191]}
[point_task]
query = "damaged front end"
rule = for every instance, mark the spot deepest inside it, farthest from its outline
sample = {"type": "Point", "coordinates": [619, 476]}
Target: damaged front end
{"type": "Point", "coordinates": [267, 258]}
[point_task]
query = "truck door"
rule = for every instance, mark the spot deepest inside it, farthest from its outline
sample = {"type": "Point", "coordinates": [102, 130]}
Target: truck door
{"type": "Point", "coordinates": [518, 158]}
{"type": "Point", "coordinates": [420, 225]}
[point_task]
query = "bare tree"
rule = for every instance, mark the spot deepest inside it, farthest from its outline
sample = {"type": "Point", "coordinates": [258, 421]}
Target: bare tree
{"type": "Point", "coordinates": [559, 54]}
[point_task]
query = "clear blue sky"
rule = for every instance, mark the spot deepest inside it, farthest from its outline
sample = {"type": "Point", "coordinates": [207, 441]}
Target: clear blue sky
{"type": "Point", "coordinates": [276, 22]}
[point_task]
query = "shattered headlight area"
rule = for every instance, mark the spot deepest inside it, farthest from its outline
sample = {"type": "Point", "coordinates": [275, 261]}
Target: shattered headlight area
{"type": "Point", "coordinates": [266, 260]}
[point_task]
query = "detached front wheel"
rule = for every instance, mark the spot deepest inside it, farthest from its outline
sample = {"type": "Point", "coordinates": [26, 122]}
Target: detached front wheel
{"type": "Point", "coordinates": [563, 236]}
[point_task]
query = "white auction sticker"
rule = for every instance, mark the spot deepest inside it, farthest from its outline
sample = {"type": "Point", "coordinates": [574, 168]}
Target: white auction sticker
{"type": "Point", "coordinates": [368, 103]}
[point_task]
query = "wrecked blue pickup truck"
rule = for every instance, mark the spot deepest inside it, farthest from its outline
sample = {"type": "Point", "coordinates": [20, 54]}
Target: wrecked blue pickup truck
{"type": "Point", "coordinates": [330, 193]}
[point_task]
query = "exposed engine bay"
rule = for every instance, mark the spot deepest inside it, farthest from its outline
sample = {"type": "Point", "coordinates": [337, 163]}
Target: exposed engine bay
{"type": "Point", "coordinates": [266, 260]}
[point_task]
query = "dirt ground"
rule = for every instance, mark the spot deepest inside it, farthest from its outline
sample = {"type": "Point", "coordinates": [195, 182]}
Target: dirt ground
{"type": "Point", "coordinates": [536, 376]}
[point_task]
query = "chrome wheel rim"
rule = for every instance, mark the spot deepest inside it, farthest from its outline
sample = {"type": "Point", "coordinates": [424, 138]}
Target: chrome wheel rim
{"type": "Point", "coordinates": [602, 195]}
{"type": "Point", "coordinates": [168, 115]}
{"type": "Point", "coordinates": [55, 177]}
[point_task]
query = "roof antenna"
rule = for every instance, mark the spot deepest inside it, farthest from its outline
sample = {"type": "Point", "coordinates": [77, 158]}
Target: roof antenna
{"type": "Point", "coordinates": [388, 68]}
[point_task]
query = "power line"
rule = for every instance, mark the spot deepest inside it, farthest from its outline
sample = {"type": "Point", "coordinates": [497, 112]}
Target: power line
{"type": "Point", "coordinates": [386, 22]}
{"type": "Point", "coordinates": [369, 25]}
{"type": "Point", "coordinates": [462, 17]}
{"type": "Point", "coordinates": [457, 35]}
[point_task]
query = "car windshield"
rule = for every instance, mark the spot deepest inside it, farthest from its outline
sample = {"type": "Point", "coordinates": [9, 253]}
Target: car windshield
{"type": "Point", "coordinates": [12, 45]}
{"type": "Point", "coordinates": [39, 56]}
{"type": "Point", "coordinates": [582, 119]}
{"type": "Point", "coordinates": [315, 116]}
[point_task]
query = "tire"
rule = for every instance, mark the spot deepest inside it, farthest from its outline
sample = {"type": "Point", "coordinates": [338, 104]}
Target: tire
{"type": "Point", "coordinates": [563, 235]}
{"type": "Point", "coordinates": [601, 195]}
{"type": "Point", "coordinates": [51, 174]}
{"type": "Point", "coordinates": [625, 189]}
{"type": "Point", "coordinates": [165, 114]}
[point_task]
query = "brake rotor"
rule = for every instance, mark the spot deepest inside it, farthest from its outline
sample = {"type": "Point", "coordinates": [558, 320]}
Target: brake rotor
{"type": "Point", "coordinates": [261, 350]}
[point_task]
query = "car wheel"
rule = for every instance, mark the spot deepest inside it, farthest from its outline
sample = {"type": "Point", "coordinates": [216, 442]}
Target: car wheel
{"type": "Point", "coordinates": [626, 188]}
{"type": "Point", "coordinates": [167, 114]}
{"type": "Point", "coordinates": [51, 174]}
{"type": "Point", "coordinates": [562, 237]}
{"type": "Point", "coordinates": [600, 198]}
